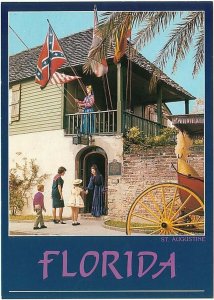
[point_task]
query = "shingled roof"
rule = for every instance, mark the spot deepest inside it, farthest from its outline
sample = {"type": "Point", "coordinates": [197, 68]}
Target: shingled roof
{"type": "Point", "coordinates": [75, 47]}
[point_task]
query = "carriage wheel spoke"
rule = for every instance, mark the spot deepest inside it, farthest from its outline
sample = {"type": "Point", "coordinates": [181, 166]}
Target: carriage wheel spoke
{"type": "Point", "coordinates": [180, 208]}
{"type": "Point", "coordinates": [156, 231]}
{"type": "Point", "coordinates": [173, 231]}
{"type": "Point", "coordinates": [198, 219]}
{"type": "Point", "coordinates": [149, 210]}
{"type": "Point", "coordinates": [154, 201]}
{"type": "Point", "coordinates": [144, 226]}
{"type": "Point", "coordinates": [183, 231]}
{"type": "Point", "coordinates": [144, 218]}
{"type": "Point", "coordinates": [163, 200]}
{"type": "Point", "coordinates": [192, 212]}
{"type": "Point", "coordinates": [187, 224]}
{"type": "Point", "coordinates": [166, 209]}
{"type": "Point", "coordinates": [173, 201]}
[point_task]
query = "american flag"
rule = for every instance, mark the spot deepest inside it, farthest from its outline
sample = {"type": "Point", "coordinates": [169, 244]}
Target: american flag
{"type": "Point", "coordinates": [60, 78]}
{"type": "Point", "coordinates": [50, 59]}
{"type": "Point", "coordinates": [99, 67]}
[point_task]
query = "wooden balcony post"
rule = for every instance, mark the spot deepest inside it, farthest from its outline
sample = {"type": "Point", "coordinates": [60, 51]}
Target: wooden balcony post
{"type": "Point", "coordinates": [159, 105]}
{"type": "Point", "coordinates": [186, 107]}
{"type": "Point", "coordinates": [119, 99]}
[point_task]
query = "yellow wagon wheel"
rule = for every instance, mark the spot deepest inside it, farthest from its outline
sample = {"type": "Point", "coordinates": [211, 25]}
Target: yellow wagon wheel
{"type": "Point", "coordinates": [159, 210]}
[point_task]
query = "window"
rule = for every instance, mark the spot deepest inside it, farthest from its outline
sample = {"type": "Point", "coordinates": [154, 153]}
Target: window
{"type": "Point", "coordinates": [15, 103]}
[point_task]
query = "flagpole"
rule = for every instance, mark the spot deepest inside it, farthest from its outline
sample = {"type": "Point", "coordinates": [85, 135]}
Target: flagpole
{"type": "Point", "coordinates": [36, 58]}
{"type": "Point", "coordinates": [80, 82]}
{"type": "Point", "coordinates": [109, 90]}
{"type": "Point", "coordinates": [18, 37]}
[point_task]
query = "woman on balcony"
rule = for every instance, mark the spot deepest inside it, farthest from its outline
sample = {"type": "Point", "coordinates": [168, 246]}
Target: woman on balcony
{"type": "Point", "coordinates": [96, 184]}
{"type": "Point", "coordinates": [87, 124]}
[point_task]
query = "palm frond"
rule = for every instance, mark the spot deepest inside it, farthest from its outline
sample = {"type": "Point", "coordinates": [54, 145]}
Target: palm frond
{"type": "Point", "coordinates": [153, 24]}
{"type": "Point", "coordinates": [199, 56]}
{"type": "Point", "coordinates": [180, 40]}
{"type": "Point", "coordinates": [110, 26]}
{"type": "Point", "coordinates": [116, 24]}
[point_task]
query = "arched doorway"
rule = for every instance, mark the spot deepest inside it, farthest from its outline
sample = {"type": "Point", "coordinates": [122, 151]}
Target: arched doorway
{"type": "Point", "coordinates": [84, 160]}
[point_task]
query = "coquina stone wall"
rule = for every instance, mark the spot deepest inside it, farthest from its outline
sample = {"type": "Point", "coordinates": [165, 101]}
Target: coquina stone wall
{"type": "Point", "coordinates": [52, 149]}
{"type": "Point", "coordinates": [142, 169]}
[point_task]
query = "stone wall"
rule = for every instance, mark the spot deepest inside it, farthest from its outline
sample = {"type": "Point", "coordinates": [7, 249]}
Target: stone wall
{"type": "Point", "coordinates": [52, 149]}
{"type": "Point", "coordinates": [142, 169]}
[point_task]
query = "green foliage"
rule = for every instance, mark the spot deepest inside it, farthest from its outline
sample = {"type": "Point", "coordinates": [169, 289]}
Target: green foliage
{"type": "Point", "coordinates": [115, 223]}
{"type": "Point", "coordinates": [169, 132]}
{"type": "Point", "coordinates": [22, 179]}
{"type": "Point", "coordinates": [17, 218]}
{"type": "Point", "coordinates": [198, 141]}
{"type": "Point", "coordinates": [135, 137]}
{"type": "Point", "coordinates": [167, 137]}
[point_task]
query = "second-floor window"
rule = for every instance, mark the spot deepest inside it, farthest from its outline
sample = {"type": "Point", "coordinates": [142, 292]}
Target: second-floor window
{"type": "Point", "coordinates": [15, 103]}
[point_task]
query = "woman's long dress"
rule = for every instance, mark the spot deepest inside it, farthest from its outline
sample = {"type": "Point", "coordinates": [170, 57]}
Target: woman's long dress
{"type": "Point", "coordinates": [87, 125]}
{"type": "Point", "coordinates": [96, 184]}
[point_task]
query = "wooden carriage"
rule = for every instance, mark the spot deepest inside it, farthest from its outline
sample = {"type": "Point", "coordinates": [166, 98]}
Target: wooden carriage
{"type": "Point", "coordinates": [172, 208]}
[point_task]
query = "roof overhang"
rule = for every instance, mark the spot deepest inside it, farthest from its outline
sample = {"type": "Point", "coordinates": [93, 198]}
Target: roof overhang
{"type": "Point", "coordinates": [193, 124]}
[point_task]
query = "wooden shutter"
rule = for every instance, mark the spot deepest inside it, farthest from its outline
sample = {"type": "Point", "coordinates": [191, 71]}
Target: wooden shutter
{"type": "Point", "coordinates": [15, 105]}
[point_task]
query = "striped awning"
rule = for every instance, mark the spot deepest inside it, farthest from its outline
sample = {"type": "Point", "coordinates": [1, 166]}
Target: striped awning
{"type": "Point", "coordinates": [193, 124]}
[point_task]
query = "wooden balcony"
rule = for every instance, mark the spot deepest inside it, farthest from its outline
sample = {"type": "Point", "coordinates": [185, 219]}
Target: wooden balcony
{"type": "Point", "coordinates": [149, 128]}
{"type": "Point", "coordinates": [96, 123]}
{"type": "Point", "coordinates": [105, 123]}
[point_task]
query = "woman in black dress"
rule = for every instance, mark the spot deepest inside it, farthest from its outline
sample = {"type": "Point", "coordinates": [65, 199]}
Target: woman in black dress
{"type": "Point", "coordinates": [96, 184]}
{"type": "Point", "coordinates": [57, 196]}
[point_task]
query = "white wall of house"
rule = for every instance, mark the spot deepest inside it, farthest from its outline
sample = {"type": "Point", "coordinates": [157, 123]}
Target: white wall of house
{"type": "Point", "coordinates": [52, 149]}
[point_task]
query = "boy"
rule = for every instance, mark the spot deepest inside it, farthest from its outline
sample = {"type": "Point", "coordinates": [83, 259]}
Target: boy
{"type": "Point", "coordinates": [38, 206]}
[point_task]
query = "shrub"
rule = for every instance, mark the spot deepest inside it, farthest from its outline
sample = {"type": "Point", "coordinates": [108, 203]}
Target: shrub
{"type": "Point", "coordinates": [198, 141]}
{"type": "Point", "coordinates": [134, 135]}
{"type": "Point", "coordinates": [167, 137]}
{"type": "Point", "coordinates": [169, 132]}
{"type": "Point", "coordinates": [22, 179]}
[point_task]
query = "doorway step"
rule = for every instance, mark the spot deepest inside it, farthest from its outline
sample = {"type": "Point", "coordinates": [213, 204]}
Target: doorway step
{"type": "Point", "coordinates": [88, 216]}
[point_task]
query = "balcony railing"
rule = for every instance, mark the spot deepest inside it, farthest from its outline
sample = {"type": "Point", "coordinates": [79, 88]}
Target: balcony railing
{"type": "Point", "coordinates": [105, 123]}
{"type": "Point", "coordinates": [148, 127]}
{"type": "Point", "coordinates": [99, 122]}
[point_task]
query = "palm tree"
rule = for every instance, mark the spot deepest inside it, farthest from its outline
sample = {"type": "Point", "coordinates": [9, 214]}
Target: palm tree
{"type": "Point", "coordinates": [187, 33]}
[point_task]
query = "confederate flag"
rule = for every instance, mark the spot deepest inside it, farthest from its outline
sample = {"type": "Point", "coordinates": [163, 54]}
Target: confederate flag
{"type": "Point", "coordinates": [50, 59]}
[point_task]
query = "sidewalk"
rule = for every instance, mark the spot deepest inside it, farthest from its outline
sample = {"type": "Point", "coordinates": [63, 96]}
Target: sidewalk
{"type": "Point", "coordinates": [88, 227]}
